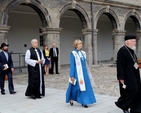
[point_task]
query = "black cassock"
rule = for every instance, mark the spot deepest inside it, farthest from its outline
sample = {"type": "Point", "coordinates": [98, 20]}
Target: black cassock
{"type": "Point", "coordinates": [130, 97]}
{"type": "Point", "coordinates": [36, 85]}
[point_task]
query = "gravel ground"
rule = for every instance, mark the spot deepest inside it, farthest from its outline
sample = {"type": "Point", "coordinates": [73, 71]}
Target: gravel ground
{"type": "Point", "coordinates": [104, 77]}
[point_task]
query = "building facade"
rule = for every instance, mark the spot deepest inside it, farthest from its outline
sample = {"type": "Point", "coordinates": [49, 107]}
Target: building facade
{"type": "Point", "coordinates": [100, 24]}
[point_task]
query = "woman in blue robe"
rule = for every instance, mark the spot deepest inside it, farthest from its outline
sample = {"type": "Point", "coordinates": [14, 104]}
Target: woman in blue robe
{"type": "Point", "coordinates": [73, 92]}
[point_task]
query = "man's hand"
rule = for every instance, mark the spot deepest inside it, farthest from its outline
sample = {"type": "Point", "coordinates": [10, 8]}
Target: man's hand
{"type": "Point", "coordinates": [39, 61]}
{"type": "Point", "coordinates": [12, 69]}
{"type": "Point", "coordinates": [121, 81]}
{"type": "Point", "coordinates": [123, 85]}
{"type": "Point", "coordinates": [5, 68]}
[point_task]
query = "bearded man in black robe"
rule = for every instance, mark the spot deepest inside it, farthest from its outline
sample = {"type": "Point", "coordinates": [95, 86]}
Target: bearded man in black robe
{"type": "Point", "coordinates": [129, 77]}
{"type": "Point", "coordinates": [35, 59]}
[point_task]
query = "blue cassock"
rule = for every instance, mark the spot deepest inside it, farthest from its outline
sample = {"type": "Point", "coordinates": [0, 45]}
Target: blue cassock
{"type": "Point", "coordinates": [73, 91]}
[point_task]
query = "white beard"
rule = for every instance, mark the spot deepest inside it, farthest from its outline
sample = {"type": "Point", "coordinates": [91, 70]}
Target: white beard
{"type": "Point", "coordinates": [133, 47]}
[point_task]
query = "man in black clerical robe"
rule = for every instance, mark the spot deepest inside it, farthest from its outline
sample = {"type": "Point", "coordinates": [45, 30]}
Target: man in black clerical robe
{"type": "Point", "coordinates": [34, 58]}
{"type": "Point", "coordinates": [129, 77]}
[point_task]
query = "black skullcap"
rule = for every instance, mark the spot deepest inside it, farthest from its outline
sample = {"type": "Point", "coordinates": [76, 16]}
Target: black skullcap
{"type": "Point", "coordinates": [128, 37]}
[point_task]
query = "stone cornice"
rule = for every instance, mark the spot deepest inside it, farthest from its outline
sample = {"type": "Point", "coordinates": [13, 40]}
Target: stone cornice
{"type": "Point", "coordinates": [4, 28]}
{"type": "Point", "coordinates": [86, 31]}
{"type": "Point", "coordinates": [138, 31]}
{"type": "Point", "coordinates": [117, 4]}
{"type": "Point", "coordinates": [119, 32]}
{"type": "Point", "coordinates": [113, 3]}
{"type": "Point", "coordinates": [96, 31]}
{"type": "Point", "coordinates": [51, 30]}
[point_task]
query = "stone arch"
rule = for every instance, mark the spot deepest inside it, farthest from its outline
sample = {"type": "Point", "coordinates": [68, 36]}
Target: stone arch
{"type": "Point", "coordinates": [135, 17]}
{"type": "Point", "coordinates": [79, 11]}
{"type": "Point", "coordinates": [111, 15]}
{"type": "Point", "coordinates": [35, 4]}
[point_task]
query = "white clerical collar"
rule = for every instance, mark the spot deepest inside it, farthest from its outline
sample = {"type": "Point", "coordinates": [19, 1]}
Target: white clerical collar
{"type": "Point", "coordinates": [35, 49]}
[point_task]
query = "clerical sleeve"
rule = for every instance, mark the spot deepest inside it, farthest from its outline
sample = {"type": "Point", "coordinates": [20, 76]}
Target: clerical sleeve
{"type": "Point", "coordinates": [72, 65]}
{"type": "Point", "coordinates": [120, 65]}
{"type": "Point", "coordinates": [28, 60]}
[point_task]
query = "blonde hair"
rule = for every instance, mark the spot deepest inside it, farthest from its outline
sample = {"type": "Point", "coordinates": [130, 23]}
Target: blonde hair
{"type": "Point", "coordinates": [76, 43]}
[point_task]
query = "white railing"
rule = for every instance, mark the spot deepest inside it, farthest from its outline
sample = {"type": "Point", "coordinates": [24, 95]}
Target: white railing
{"type": "Point", "coordinates": [18, 61]}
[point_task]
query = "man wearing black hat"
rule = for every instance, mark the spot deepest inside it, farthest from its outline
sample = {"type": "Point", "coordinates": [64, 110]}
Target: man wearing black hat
{"type": "Point", "coordinates": [129, 77]}
{"type": "Point", "coordinates": [6, 67]}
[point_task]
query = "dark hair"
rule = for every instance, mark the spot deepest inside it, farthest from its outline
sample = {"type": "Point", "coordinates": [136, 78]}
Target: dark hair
{"type": "Point", "coordinates": [44, 47]}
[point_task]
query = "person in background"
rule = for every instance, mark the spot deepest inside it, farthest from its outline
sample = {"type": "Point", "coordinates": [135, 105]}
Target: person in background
{"type": "Point", "coordinates": [82, 90]}
{"type": "Point", "coordinates": [7, 68]}
{"type": "Point", "coordinates": [35, 60]}
{"type": "Point", "coordinates": [47, 59]}
{"type": "Point", "coordinates": [54, 52]}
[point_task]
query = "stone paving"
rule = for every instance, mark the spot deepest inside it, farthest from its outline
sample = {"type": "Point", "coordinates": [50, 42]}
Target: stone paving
{"type": "Point", "coordinates": [104, 77]}
{"type": "Point", "coordinates": [106, 92]}
{"type": "Point", "coordinates": [53, 102]}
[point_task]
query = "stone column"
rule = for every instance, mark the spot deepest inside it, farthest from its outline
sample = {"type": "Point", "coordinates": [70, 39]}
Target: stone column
{"type": "Point", "coordinates": [87, 34]}
{"type": "Point", "coordinates": [95, 47]}
{"type": "Point", "coordinates": [52, 35]}
{"type": "Point", "coordinates": [4, 34]}
{"type": "Point", "coordinates": [118, 41]}
{"type": "Point", "coordinates": [138, 34]}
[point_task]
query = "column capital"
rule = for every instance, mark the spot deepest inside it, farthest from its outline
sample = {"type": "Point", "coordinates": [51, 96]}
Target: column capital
{"type": "Point", "coordinates": [86, 31]}
{"type": "Point", "coordinates": [120, 32]}
{"type": "Point", "coordinates": [138, 32]}
{"type": "Point", "coordinates": [48, 30]}
{"type": "Point", "coordinates": [89, 31]}
{"type": "Point", "coordinates": [4, 29]}
{"type": "Point", "coordinates": [96, 31]}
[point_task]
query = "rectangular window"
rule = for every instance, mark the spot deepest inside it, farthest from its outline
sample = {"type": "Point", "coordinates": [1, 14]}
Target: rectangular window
{"type": "Point", "coordinates": [41, 40]}
{"type": "Point", "coordinates": [41, 37]}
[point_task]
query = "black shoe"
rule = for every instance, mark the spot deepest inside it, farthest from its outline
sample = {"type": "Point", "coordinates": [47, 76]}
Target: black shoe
{"type": "Point", "coordinates": [39, 97]}
{"type": "Point", "coordinates": [57, 73]}
{"type": "Point", "coordinates": [85, 106]}
{"type": "Point", "coordinates": [126, 111]}
{"type": "Point", "coordinates": [12, 92]}
{"type": "Point", "coordinates": [3, 93]}
{"type": "Point", "coordinates": [51, 73]}
{"type": "Point", "coordinates": [71, 103]}
{"type": "Point", "coordinates": [131, 111]}
{"type": "Point", "coordinates": [116, 103]}
{"type": "Point", "coordinates": [33, 97]}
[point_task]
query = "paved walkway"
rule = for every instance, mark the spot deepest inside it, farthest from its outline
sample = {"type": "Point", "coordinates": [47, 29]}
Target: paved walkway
{"type": "Point", "coordinates": [53, 102]}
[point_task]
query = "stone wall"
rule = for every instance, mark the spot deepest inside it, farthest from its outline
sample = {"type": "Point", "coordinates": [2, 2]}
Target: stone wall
{"type": "Point", "coordinates": [117, 10]}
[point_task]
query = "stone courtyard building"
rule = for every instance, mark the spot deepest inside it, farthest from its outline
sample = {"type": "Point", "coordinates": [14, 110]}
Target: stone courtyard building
{"type": "Point", "coordinates": [100, 24]}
